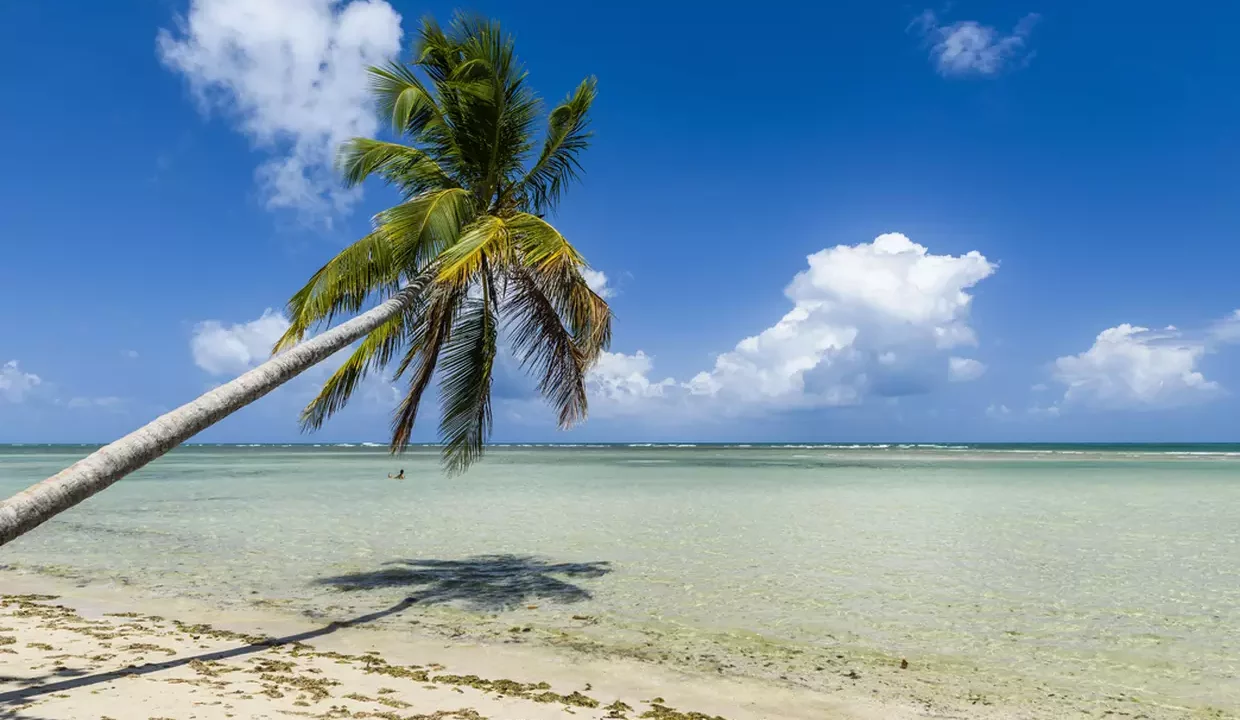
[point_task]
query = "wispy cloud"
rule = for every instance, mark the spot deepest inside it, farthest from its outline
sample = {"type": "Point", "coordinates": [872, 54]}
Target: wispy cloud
{"type": "Point", "coordinates": [967, 47]}
{"type": "Point", "coordinates": [1226, 330]}
{"type": "Point", "coordinates": [108, 402]}
{"type": "Point", "coordinates": [293, 74]}
{"type": "Point", "coordinates": [18, 386]}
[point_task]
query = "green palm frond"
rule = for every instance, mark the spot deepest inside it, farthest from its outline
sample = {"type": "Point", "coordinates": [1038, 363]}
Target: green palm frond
{"type": "Point", "coordinates": [422, 228]}
{"type": "Point", "coordinates": [414, 110]}
{"type": "Point", "coordinates": [482, 92]}
{"type": "Point", "coordinates": [434, 52]}
{"type": "Point", "coordinates": [375, 351]}
{"type": "Point", "coordinates": [365, 268]}
{"type": "Point", "coordinates": [544, 345]}
{"type": "Point", "coordinates": [558, 265]}
{"type": "Point", "coordinates": [488, 236]}
{"type": "Point", "coordinates": [423, 356]}
{"type": "Point", "coordinates": [465, 382]}
{"type": "Point", "coordinates": [408, 168]}
{"type": "Point", "coordinates": [403, 99]}
{"type": "Point", "coordinates": [588, 316]}
{"type": "Point", "coordinates": [567, 137]}
{"type": "Point", "coordinates": [541, 245]}
{"type": "Point", "coordinates": [508, 114]}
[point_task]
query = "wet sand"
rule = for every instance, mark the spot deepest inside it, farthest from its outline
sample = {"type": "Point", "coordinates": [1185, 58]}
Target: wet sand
{"type": "Point", "coordinates": [70, 652]}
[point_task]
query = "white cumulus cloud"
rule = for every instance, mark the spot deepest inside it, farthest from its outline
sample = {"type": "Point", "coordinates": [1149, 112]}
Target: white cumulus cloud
{"type": "Point", "coordinates": [622, 382]}
{"type": "Point", "coordinates": [15, 384]}
{"type": "Point", "coordinates": [1134, 367]}
{"type": "Point", "coordinates": [969, 48]}
{"type": "Point", "coordinates": [293, 73]}
{"type": "Point", "coordinates": [597, 280]}
{"type": "Point", "coordinates": [961, 369]}
{"type": "Point", "coordinates": [864, 321]}
{"type": "Point", "coordinates": [231, 349]}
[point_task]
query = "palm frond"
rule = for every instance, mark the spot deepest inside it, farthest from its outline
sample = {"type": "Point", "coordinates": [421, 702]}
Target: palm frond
{"type": "Point", "coordinates": [403, 99]}
{"type": "Point", "coordinates": [408, 168]}
{"type": "Point", "coordinates": [587, 315]}
{"type": "Point", "coordinates": [540, 244]}
{"type": "Point", "coordinates": [423, 356]}
{"type": "Point", "coordinates": [510, 108]}
{"type": "Point", "coordinates": [375, 351]}
{"type": "Point", "coordinates": [421, 228]}
{"type": "Point", "coordinates": [567, 137]}
{"type": "Point", "coordinates": [342, 285]}
{"type": "Point", "coordinates": [544, 345]}
{"type": "Point", "coordinates": [419, 113]}
{"type": "Point", "coordinates": [557, 265]}
{"type": "Point", "coordinates": [465, 382]}
{"type": "Point", "coordinates": [435, 52]}
{"type": "Point", "coordinates": [488, 236]}
{"type": "Point", "coordinates": [481, 90]}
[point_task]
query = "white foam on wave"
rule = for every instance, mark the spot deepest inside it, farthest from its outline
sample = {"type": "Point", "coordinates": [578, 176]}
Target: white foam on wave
{"type": "Point", "coordinates": [1194, 453]}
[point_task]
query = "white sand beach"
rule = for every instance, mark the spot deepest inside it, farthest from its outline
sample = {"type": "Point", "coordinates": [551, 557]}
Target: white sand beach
{"type": "Point", "coordinates": [69, 652]}
{"type": "Point", "coordinates": [90, 654]}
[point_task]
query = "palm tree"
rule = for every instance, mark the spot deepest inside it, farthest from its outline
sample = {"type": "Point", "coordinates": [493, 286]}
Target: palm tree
{"type": "Point", "coordinates": [467, 253]}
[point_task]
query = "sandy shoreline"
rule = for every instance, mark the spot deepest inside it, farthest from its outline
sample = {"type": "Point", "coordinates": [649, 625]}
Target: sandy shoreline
{"type": "Point", "coordinates": [70, 652]}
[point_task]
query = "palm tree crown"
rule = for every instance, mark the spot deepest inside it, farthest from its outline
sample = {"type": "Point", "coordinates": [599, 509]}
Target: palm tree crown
{"type": "Point", "coordinates": [468, 246]}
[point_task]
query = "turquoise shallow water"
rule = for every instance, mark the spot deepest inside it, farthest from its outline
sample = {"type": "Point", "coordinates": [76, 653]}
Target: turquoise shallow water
{"type": "Point", "coordinates": [1095, 571]}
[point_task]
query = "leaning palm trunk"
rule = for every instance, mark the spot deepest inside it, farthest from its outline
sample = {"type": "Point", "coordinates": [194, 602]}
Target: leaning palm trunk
{"type": "Point", "coordinates": [39, 503]}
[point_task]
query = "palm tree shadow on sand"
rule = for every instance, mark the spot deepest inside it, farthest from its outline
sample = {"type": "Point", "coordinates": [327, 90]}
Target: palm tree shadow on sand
{"type": "Point", "coordinates": [485, 582]}
{"type": "Point", "coordinates": [481, 583]}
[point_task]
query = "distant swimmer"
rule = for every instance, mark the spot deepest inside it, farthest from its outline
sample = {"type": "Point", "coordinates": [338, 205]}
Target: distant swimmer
{"type": "Point", "coordinates": [398, 476]}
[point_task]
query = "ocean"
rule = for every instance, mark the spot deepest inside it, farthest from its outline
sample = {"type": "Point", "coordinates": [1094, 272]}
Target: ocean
{"type": "Point", "coordinates": [1015, 572]}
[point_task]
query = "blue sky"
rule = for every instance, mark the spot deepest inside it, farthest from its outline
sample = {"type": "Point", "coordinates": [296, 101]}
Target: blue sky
{"type": "Point", "coordinates": [744, 164]}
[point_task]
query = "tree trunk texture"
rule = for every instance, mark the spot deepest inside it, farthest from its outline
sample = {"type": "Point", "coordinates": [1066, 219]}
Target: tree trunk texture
{"type": "Point", "coordinates": [39, 503]}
